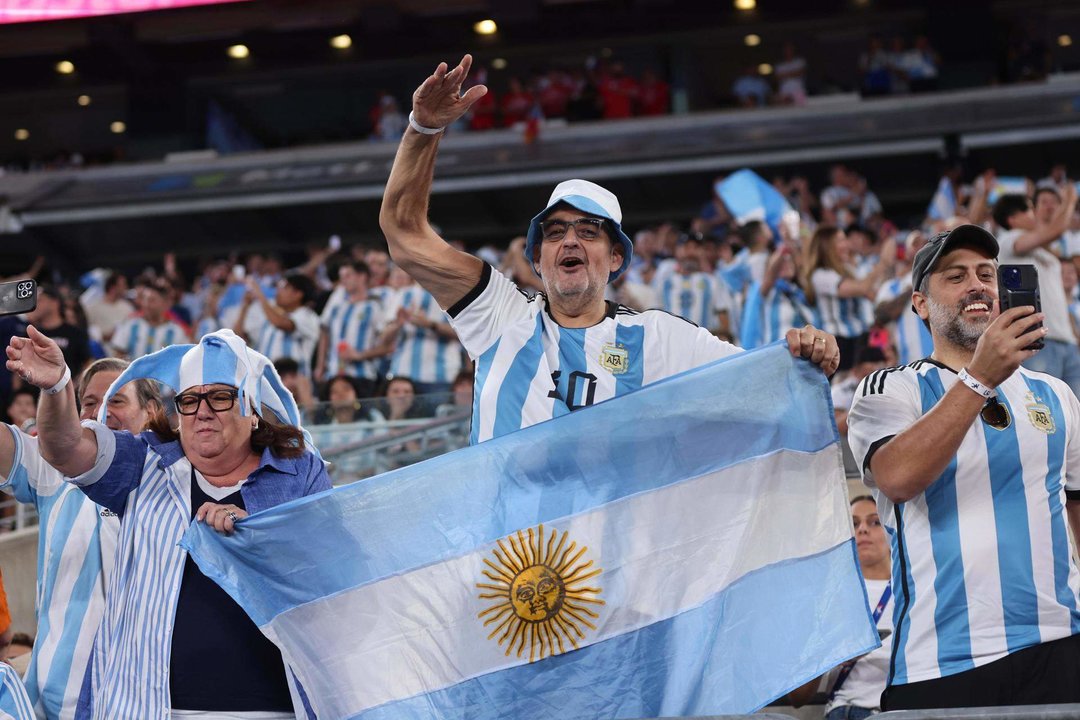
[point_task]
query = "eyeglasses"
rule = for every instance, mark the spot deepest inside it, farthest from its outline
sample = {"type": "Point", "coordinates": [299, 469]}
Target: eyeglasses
{"type": "Point", "coordinates": [217, 400]}
{"type": "Point", "coordinates": [586, 228]}
{"type": "Point", "coordinates": [995, 414]}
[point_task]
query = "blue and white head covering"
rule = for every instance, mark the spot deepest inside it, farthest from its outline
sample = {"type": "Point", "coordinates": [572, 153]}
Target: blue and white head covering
{"type": "Point", "coordinates": [588, 197]}
{"type": "Point", "coordinates": [220, 357]}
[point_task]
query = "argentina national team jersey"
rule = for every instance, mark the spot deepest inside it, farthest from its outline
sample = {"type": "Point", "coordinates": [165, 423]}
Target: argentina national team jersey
{"type": "Point", "coordinates": [76, 547]}
{"type": "Point", "coordinates": [697, 297]}
{"type": "Point", "coordinates": [767, 319]}
{"type": "Point", "coordinates": [275, 343]}
{"type": "Point", "coordinates": [913, 340]}
{"type": "Point", "coordinates": [982, 565]}
{"type": "Point", "coordinates": [357, 324]}
{"type": "Point", "coordinates": [842, 317]}
{"type": "Point", "coordinates": [530, 369]}
{"type": "Point", "coordinates": [423, 355]}
{"type": "Point", "coordinates": [136, 337]}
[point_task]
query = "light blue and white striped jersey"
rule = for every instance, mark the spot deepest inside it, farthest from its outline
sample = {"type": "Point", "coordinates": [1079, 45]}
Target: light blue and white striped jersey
{"type": "Point", "coordinates": [76, 549]}
{"type": "Point", "coordinates": [357, 324]}
{"type": "Point", "coordinates": [842, 317]}
{"type": "Point", "coordinates": [422, 355]}
{"type": "Point", "coordinates": [530, 369]}
{"type": "Point", "coordinates": [913, 340]}
{"type": "Point", "coordinates": [136, 337]}
{"type": "Point", "coordinates": [982, 565]}
{"type": "Point", "coordinates": [205, 326]}
{"type": "Point", "coordinates": [14, 702]}
{"type": "Point", "coordinates": [698, 297]}
{"type": "Point", "coordinates": [767, 319]}
{"type": "Point", "coordinates": [149, 484]}
{"type": "Point", "coordinates": [299, 344]}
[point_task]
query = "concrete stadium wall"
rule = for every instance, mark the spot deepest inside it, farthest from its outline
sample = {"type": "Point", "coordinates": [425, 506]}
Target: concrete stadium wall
{"type": "Point", "coordinates": [18, 564]}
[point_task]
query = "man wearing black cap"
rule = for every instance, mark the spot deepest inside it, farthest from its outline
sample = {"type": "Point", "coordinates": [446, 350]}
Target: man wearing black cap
{"type": "Point", "coordinates": [566, 348]}
{"type": "Point", "coordinates": [975, 464]}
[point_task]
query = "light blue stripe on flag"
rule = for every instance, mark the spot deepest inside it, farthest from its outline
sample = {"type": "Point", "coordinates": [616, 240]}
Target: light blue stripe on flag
{"type": "Point", "coordinates": [693, 510]}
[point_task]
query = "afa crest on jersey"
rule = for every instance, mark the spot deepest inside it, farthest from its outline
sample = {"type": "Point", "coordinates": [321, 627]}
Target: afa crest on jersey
{"type": "Point", "coordinates": [615, 358]}
{"type": "Point", "coordinates": [1039, 414]}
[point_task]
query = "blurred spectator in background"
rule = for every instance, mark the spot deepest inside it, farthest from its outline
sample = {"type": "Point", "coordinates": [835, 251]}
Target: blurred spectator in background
{"type": "Point", "coordinates": [585, 102]}
{"type": "Point", "coordinates": [892, 307]}
{"type": "Point", "coordinates": [343, 403]}
{"type": "Point", "coordinates": [297, 384]}
{"type": "Point", "coordinates": [867, 360]}
{"type": "Point", "coordinates": [654, 95]}
{"type": "Point", "coordinates": [921, 64]}
{"type": "Point", "coordinates": [516, 103]}
{"type": "Point", "coordinates": [378, 262]}
{"type": "Point", "coordinates": [1058, 178]}
{"type": "Point", "coordinates": [48, 317]}
{"type": "Point", "coordinates": [692, 293]}
{"type": "Point", "coordinates": [1047, 202]}
{"type": "Point", "coordinates": [618, 92]}
{"type": "Point", "coordinates": [791, 75]}
{"type": "Point", "coordinates": [830, 281]}
{"type": "Point", "coordinates": [777, 303]}
{"type": "Point", "coordinates": [854, 688]}
{"type": "Point", "coordinates": [874, 68]}
{"type": "Point", "coordinates": [426, 349]}
{"type": "Point", "coordinates": [897, 54]}
{"type": "Point", "coordinates": [1069, 275]}
{"type": "Point", "coordinates": [1025, 239]}
{"type": "Point", "coordinates": [552, 93]}
{"type": "Point", "coordinates": [150, 330]}
{"type": "Point", "coordinates": [350, 340]}
{"type": "Point", "coordinates": [751, 89]}
{"type": "Point", "coordinates": [106, 313]}
{"type": "Point", "coordinates": [391, 121]}
{"type": "Point", "coordinates": [287, 326]}
{"type": "Point", "coordinates": [22, 409]}
{"type": "Point", "coordinates": [847, 200]}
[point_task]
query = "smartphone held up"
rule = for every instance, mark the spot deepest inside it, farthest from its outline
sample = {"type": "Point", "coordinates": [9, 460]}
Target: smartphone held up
{"type": "Point", "coordinates": [18, 297]}
{"type": "Point", "coordinates": [1018, 285]}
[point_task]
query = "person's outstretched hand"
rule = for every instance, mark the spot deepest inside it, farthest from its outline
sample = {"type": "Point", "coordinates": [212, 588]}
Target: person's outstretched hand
{"type": "Point", "coordinates": [438, 101]}
{"type": "Point", "coordinates": [36, 358]}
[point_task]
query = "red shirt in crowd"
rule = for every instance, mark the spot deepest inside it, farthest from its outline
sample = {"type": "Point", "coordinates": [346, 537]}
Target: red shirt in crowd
{"type": "Point", "coordinates": [516, 104]}
{"type": "Point", "coordinates": [654, 96]}
{"type": "Point", "coordinates": [619, 93]}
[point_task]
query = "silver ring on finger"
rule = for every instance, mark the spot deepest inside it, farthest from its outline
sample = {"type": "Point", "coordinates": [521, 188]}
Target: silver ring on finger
{"type": "Point", "coordinates": [231, 515]}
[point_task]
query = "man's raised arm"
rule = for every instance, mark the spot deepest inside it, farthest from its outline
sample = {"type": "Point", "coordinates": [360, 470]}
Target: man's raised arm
{"type": "Point", "coordinates": [446, 273]}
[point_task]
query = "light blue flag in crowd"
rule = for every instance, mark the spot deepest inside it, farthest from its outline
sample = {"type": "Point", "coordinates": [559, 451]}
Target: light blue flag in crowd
{"type": "Point", "coordinates": [943, 204]}
{"type": "Point", "coordinates": [1007, 186]}
{"type": "Point", "coordinates": [14, 702]}
{"type": "Point", "coordinates": [749, 197]}
{"type": "Point", "coordinates": [685, 549]}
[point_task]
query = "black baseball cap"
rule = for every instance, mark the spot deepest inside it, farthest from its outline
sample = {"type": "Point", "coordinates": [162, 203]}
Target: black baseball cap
{"type": "Point", "coordinates": [935, 247]}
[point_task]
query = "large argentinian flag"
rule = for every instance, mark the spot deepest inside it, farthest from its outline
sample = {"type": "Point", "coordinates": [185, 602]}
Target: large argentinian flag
{"type": "Point", "coordinates": [682, 550]}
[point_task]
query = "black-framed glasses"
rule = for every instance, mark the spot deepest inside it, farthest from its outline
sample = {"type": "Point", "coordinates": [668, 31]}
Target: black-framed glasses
{"type": "Point", "coordinates": [218, 400]}
{"type": "Point", "coordinates": [995, 414]}
{"type": "Point", "coordinates": [587, 228]}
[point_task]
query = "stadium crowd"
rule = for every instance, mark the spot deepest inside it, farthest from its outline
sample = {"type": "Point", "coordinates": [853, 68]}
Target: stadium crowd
{"type": "Point", "coordinates": [348, 326]}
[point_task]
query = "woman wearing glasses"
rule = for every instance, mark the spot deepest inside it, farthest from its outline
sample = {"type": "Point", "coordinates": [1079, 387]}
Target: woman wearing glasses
{"type": "Point", "coordinates": [172, 643]}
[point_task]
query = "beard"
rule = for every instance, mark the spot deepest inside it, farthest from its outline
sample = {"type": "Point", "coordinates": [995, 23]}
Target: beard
{"type": "Point", "coordinates": [950, 323]}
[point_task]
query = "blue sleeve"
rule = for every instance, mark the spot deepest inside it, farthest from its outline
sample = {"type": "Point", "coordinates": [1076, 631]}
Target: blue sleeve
{"type": "Point", "coordinates": [117, 470]}
{"type": "Point", "coordinates": [318, 478]}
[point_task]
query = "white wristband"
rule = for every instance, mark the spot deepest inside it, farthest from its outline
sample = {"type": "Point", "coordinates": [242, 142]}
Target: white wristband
{"type": "Point", "coordinates": [983, 389]}
{"type": "Point", "coordinates": [62, 383]}
{"type": "Point", "coordinates": [421, 129]}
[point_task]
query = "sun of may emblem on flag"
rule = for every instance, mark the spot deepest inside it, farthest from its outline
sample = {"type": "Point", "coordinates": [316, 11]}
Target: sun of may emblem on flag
{"type": "Point", "coordinates": [540, 594]}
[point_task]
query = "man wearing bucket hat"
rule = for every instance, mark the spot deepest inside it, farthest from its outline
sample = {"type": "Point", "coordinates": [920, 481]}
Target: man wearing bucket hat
{"type": "Point", "coordinates": [975, 465]}
{"type": "Point", "coordinates": [566, 347]}
{"type": "Point", "coordinates": [171, 640]}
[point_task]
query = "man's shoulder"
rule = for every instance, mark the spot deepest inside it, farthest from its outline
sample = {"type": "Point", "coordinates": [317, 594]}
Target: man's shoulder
{"type": "Point", "coordinates": [893, 379]}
